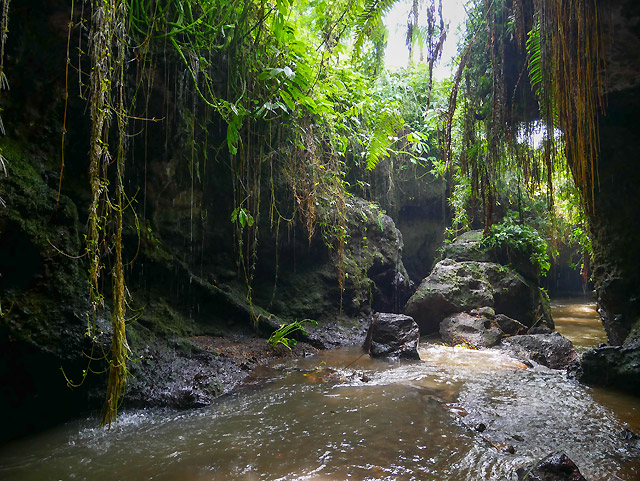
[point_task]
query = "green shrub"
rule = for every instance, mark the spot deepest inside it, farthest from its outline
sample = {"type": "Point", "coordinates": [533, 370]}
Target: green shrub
{"type": "Point", "coordinates": [279, 336]}
{"type": "Point", "coordinates": [519, 239]}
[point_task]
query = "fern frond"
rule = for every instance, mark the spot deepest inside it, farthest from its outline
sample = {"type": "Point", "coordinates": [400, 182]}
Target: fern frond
{"type": "Point", "coordinates": [369, 19]}
{"type": "Point", "coordinates": [535, 60]}
{"type": "Point", "coordinates": [384, 133]}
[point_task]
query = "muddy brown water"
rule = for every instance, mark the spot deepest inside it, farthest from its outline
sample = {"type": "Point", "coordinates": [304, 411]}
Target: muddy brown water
{"type": "Point", "coordinates": [338, 416]}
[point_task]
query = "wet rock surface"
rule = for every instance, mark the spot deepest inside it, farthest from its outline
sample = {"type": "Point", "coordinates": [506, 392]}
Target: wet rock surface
{"type": "Point", "coordinates": [511, 327]}
{"type": "Point", "coordinates": [551, 350]}
{"type": "Point", "coordinates": [373, 259]}
{"type": "Point", "coordinates": [308, 284]}
{"type": "Point", "coordinates": [463, 328]}
{"type": "Point", "coordinates": [393, 336]}
{"type": "Point", "coordinates": [461, 286]}
{"type": "Point", "coordinates": [555, 467]}
{"type": "Point", "coordinates": [337, 333]}
{"type": "Point", "coordinates": [191, 373]}
{"type": "Point", "coordinates": [617, 366]}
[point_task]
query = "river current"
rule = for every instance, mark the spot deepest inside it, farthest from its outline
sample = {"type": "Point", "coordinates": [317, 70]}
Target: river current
{"type": "Point", "coordinates": [343, 416]}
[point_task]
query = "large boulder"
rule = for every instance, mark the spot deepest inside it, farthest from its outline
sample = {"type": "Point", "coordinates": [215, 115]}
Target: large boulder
{"type": "Point", "coordinates": [463, 328]}
{"type": "Point", "coordinates": [375, 274]}
{"type": "Point", "coordinates": [461, 286]}
{"type": "Point", "coordinates": [393, 336]}
{"type": "Point", "coordinates": [552, 350]}
{"type": "Point", "coordinates": [329, 278]}
{"type": "Point", "coordinates": [467, 247]}
{"type": "Point", "coordinates": [555, 467]}
{"type": "Point", "coordinates": [617, 366]}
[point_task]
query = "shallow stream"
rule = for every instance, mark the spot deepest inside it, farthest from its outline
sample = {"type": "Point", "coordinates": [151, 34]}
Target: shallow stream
{"type": "Point", "coordinates": [339, 416]}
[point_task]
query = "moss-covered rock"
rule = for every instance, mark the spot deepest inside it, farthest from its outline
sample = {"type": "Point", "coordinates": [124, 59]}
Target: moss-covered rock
{"type": "Point", "coordinates": [308, 271]}
{"type": "Point", "coordinates": [466, 247]}
{"type": "Point", "coordinates": [461, 286]}
{"type": "Point", "coordinates": [373, 259]}
{"type": "Point", "coordinates": [43, 294]}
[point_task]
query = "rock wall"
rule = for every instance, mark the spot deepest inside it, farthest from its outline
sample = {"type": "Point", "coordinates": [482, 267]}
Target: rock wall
{"type": "Point", "coordinates": [183, 274]}
{"type": "Point", "coordinates": [615, 232]}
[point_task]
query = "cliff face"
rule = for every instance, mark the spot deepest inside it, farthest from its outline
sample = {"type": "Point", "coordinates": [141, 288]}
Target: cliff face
{"type": "Point", "coordinates": [183, 273]}
{"type": "Point", "coordinates": [615, 231]}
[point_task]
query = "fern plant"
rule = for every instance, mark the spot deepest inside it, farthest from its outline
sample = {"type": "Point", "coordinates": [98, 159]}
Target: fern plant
{"type": "Point", "coordinates": [281, 335]}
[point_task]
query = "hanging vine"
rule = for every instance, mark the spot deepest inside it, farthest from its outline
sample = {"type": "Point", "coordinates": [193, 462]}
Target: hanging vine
{"type": "Point", "coordinates": [107, 53]}
{"type": "Point", "coordinates": [572, 52]}
{"type": "Point", "coordinates": [563, 55]}
{"type": "Point", "coordinates": [4, 82]}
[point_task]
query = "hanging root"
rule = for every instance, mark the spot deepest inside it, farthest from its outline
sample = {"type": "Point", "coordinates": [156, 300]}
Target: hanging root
{"type": "Point", "coordinates": [118, 372]}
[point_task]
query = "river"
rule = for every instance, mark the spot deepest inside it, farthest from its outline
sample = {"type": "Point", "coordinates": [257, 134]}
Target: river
{"type": "Point", "coordinates": [340, 416]}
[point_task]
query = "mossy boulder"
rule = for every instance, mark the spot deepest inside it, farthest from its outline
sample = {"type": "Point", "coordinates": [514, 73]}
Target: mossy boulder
{"type": "Point", "coordinates": [368, 252]}
{"type": "Point", "coordinates": [373, 258]}
{"type": "Point", "coordinates": [466, 247]}
{"type": "Point", "coordinates": [461, 286]}
{"type": "Point", "coordinates": [474, 246]}
{"type": "Point", "coordinates": [475, 331]}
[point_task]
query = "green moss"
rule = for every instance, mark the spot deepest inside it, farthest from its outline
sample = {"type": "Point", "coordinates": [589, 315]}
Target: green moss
{"type": "Point", "coordinates": [44, 285]}
{"type": "Point", "coordinates": [163, 320]}
{"type": "Point", "coordinates": [545, 304]}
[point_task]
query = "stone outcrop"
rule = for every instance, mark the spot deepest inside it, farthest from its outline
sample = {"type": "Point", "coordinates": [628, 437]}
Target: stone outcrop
{"type": "Point", "coordinates": [463, 328]}
{"type": "Point", "coordinates": [308, 271]}
{"type": "Point", "coordinates": [182, 258]}
{"type": "Point", "coordinates": [552, 350]}
{"type": "Point", "coordinates": [461, 286]}
{"type": "Point", "coordinates": [393, 336]}
{"type": "Point", "coordinates": [373, 259]}
{"type": "Point", "coordinates": [469, 276]}
{"type": "Point", "coordinates": [614, 232]}
{"type": "Point", "coordinates": [617, 366]}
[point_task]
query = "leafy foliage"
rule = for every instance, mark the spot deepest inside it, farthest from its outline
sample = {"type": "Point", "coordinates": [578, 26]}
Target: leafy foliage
{"type": "Point", "coordinates": [281, 335]}
{"type": "Point", "coordinates": [291, 99]}
{"type": "Point", "coordinates": [517, 238]}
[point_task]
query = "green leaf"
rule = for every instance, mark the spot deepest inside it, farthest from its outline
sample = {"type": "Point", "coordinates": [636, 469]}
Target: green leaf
{"type": "Point", "coordinates": [287, 99]}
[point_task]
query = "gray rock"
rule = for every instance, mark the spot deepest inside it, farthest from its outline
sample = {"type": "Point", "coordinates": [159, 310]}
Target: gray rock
{"type": "Point", "coordinates": [461, 286]}
{"type": "Point", "coordinates": [393, 336]}
{"type": "Point", "coordinates": [509, 326]}
{"type": "Point", "coordinates": [613, 366]}
{"type": "Point", "coordinates": [555, 467]}
{"type": "Point", "coordinates": [375, 274]}
{"type": "Point", "coordinates": [466, 247]}
{"type": "Point", "coordinates": [464, 328]}
{"type": "Point", "coordinates": [539, 330]}
{"type": "Point", "coordinates": [552, 350]}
